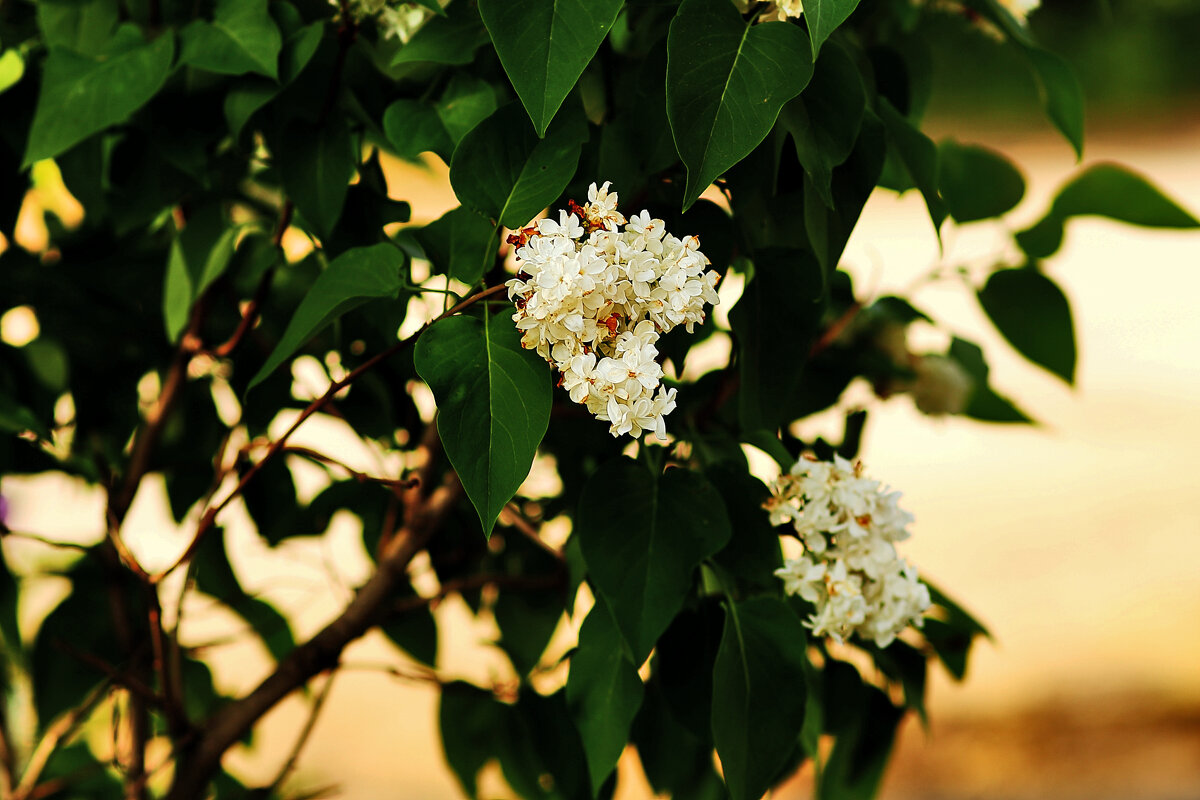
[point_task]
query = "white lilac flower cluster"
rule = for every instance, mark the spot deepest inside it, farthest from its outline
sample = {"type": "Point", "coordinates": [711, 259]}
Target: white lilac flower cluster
{"type": "Point", "coordinates": [849, 570]}
{"type": "Point", "coordinates": [594, 294]}
{"type": "Point", "coordinates": [399, 20]}
{"type": "Point", "coordinates": [777, 11]}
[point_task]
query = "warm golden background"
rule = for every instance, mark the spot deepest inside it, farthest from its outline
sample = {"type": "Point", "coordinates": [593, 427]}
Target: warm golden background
{"type": "Point", "coordinates": [1077, 541]}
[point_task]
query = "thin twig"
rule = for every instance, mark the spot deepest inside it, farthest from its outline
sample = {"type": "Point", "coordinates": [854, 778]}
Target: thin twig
{"type": "Point", "coordinates": [302, 739]}
{"type": "Point", "coordinates": [829, 336]}
{"type": "Point", "coordinates": [60, 730]}
{"type": "Point", "coordinates": [208, 519]}
{"type": "Point", "coordinates": [251, 312]}
{"type": "Point", "coordinates": [511, 515]}
{"type": "Point", "coordinates": [361, 477]}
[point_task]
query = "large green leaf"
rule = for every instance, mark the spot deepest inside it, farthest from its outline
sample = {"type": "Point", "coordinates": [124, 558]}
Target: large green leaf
{"type": "Point", "coordinates": [316, 163]}
{"type": "Point", "coordinates": [493, 405]}
{"type": "Point", "coordinates": [773, 320]}
{"type": "Point", "coordinates": [350, 280]}
{"type": "Point", "coordinates": [758, 693]}
{"type": "Point", "coordinates": [977, 182]}
{"type": "Point", "coordinates": [1107, 190]}
{"type": "Point", "coordinates": [80, 25]}
{"type": "Point", "coordinates": [823, 17]}
{"type": "Point", "coordinates": [465, 103]}
{"type": "Point", "coordinates": [642, 538]}
{"type": "Point", "coordinates": [544, 46]}
{"type": "Point", "coordinates": [1034, 315]}
{"type": "Point", "coordinates": [449, 39]}
{"type": "Point", "coordinates": [81, 96]}
{"type": "Point", "coordinates": [824, 120]}
{"type": "Point", "coordinates": [604, 693]}
{"type": "Point", "coordinates": [726, 82]}
{"type": "Point", "coordinates": [502, 169]}
{"type": "Point", "coordinates": [413, 127]}
{"type": "Point", "coordinates": [241, 38]}
{"type": "Point", "coordinates": [864, 721]}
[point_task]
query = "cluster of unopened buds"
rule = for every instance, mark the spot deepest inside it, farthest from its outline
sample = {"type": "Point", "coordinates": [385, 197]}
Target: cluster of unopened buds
{"type": "Point", "coordinates": [849, 570]}
{"type": "Point", "coordinates": [595, 293]}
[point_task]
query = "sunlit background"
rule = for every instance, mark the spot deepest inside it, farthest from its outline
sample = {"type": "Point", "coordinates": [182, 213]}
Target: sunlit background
{"type": "Point", "coordinates": [1077, 541]}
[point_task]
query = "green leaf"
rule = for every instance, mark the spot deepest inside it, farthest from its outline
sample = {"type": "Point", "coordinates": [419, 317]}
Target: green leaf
{"type": "Point", "coordinates": [676, 762]}
{"type": "Point", "coordinates": [774, 319]}
{"type": "Point", "coordinates": [1061, 92]}
{"type": "Point", "coordinates": [460, 243]}
{"type": "Point", "coordinates": [241, 38]}
{"type": "Point", "coordinates": [604, 693]}
{"type": "Point", "coordinates": [316, 164]}
{"type": "Point", "coordinates": [1034, 315]}
{"type": "Point", "coordinates": [16, 418]}
{"type": "Point", "coordinates": [642, 538]}
{"type": "Point", "coordinates": [12, 69]}
{"type": "Point", "coordinates": [544, 46]}
{"type": "Point", "coordinates": [758, 693]}
{"type": "Point", "coordinates": [825, 119]}
{"type": "Point", "coordinates": [493, 405]}
{"type": "Point", "coordinates": [1107, 190]}
{"type": "Point", "coordinates": [253, 92]}
{"type": "Point", "coordinates": [449, 39]}
{"type": "Point", "coordinates": [472, 722]}
{"type": "Point", "coordinates": [726, 82]}
{"type": "Point", "coordinates": [80, 25]}
{"type": "Point", "coordinates": [199, 255]}
{"type": "Point", "coordinates": [823, 17]}
{"type": "Point", "coordinates": [919, 156]}
{"type": "Point", "coordinates": [985, 404]}
{"type": "Point", "coordinates": [502, 169]}
{"type": "Point", "coordinates": [977, 182]}
{"type": "Point", "coordinates": [465, 103]}
{"type": "Point", "coordinates": [865, 730]}
{"type": "Point", "coordinates": [413, 127]}
{"type": "Point", "coordinates": [81, 96]}
{"type": "Point", "coordinates": [413, 630]}
{"type": "Point", "coordinates": [753, 552]}
{"type": "Point", "coordinates": [350, 280]}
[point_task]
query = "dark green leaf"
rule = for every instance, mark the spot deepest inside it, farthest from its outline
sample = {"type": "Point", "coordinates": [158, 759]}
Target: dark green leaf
{"type": "Point", "coordinates": [977, 182]}
{"type": "Point", "coordinates": [541, 754]}
{"type": "Point", "coordinates": [753, 553]}
{"type": "Point", "coordinates": [84, 774]}
{"type": "Point", "coordinates": [214, 577]}
{"type": "Point", "coordinates": [1062, 94]}
{"type": "Point", "coordinates": [241, 38]}
{"type": "Point", "coordinates": [413, 630]}
{"type": "Point", "coordinates": [919, 157]}
{"type": "Point", "coordinates": [502, 169]}
{"type": "Point", "coordinates": [726, 82]}
{"type": "Point", "coordinates": [16, 418]}
{"type": "Point", "coordinates": [493, 405]}
{"type": "Point", "coordinates": [775, 318]}
{"type": "Point", "coordinates": [199, 255]}
{"type": "Point", "coordinates": [1034, 315]}
{"type": "Point", "coordinates": [758, 693]}
{"type": "Point", "coordinates": [350, 280]}
{"type": "Point", "coordinates": [253, 92]}
{"type": "Point", "coordinates": [907, 665]}
{"type": "Point", "coordinates": [823, 17]}
{"type": "Point", "coordinates": [1106, 190]}
{"type": "Point", "coordinates": [865, 730]}
{"type": "Point", "coordinates": [985, 404]}
{"type": "Point", "coordinates": [604, 692]}
{"type": "Point", "coordinates": [81, 95]}
{"type": "Point", "coordinates": [466, 102]}
{"type": "Point", "coordinates": [461, 243]}
{"type": "Point", "coordinates": [412, 127]}
{"type": "Point", "coordinates": [528, 615]}
{"type": "Point", "coordinates": [676, 762]}
{"type": "Point", "coordinates": [316, 164]}
{"type": "Point", "coordinates": [449, 39]}
{"type": "Point", "coordinates": [472, 722]}
{"type": "Point", "coordinates": [641, 554]}
{"type": "Point", "coordinates": [824, 120]}
{"type": "Point", "coordinates": [80, 25]}
{"type": "Point", "coordinates": [544, 46]}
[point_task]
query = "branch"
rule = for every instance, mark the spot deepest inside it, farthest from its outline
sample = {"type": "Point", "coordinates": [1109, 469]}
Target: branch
{"type": "Point", "coordinates": [61, 729]}
{"type": "Point", "coordinates": [208, 519]}
{"type": "Point", "coordinates": [511, 515]}
{"type": "Point", "coordinates": [302, 739]}
{"type": "Point", "coordinates": [407, 604]}
{"type": "Point", "coordinates": [251, 312]}
{"type": "Point", "coordinates": [322, 652]}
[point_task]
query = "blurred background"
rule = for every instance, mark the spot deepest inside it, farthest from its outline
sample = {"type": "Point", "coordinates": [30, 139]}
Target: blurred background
{"type": "Point", "coordinates": [1076, 541]}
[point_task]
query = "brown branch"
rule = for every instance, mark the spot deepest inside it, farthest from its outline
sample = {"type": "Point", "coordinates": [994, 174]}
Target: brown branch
{"type": "Point", "coordinates": [511, 516]}
{"type": "Point", "coordinates": [165, 666]}
{"type": "Point", "coordinates": [396, 484]}
{"type": "Point", "coordinates": [251, 312]}
{"type": "Point", "coordinates": [198, 762]}
{"type": "Point", "coordinates": [208, 519]}
{"type": "Point", "coordinates": [835, 330]}
{"type": "Point", "coordinates": [60, 730]}
{"type": "Point", "coordinates": [114, 675]}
